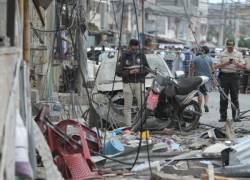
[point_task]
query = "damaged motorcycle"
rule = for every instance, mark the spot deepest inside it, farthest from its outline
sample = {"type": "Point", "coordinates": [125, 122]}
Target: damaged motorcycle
{"type": "Point", "coordinates": [171, 102]}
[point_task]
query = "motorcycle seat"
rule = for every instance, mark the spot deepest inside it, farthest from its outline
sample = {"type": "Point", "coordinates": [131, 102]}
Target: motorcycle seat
{"type": "Point", "coordinates": [186, 85]}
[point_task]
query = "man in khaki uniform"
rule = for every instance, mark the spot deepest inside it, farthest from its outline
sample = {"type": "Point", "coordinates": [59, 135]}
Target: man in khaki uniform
{"type": "Point", "coordinates": [229, 62]}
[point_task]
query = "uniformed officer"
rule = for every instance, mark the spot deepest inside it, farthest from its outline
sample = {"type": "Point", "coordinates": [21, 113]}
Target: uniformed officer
{"type": "Point", "coordinates": [229, 62]}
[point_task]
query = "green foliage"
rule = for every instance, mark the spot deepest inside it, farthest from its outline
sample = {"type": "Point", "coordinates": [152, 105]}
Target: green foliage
{"type": "Point", "coordinates": [212, 32]}
{"type": "Point", "coordinates": [92, 27]}
{"type": "Point", "coordinates": [244, 42]}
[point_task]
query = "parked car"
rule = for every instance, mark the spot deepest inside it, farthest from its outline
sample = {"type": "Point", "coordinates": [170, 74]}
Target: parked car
{"type": "Point", "coordinates": [94, 60]}
{"type": "Point", "coordinates": [106, 72]}
{"type": "Point", "coordinates": [106, 84]}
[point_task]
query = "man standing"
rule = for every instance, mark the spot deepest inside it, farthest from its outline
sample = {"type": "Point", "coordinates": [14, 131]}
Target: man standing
{"type": "Point", "coordinates": [229, 62]}
{"type": "Point", "coordinates": [202, 65]}
{"type": "Point", "coordinates": [178, 62]}
{"type": "Point", "coordinates": [131, 67]}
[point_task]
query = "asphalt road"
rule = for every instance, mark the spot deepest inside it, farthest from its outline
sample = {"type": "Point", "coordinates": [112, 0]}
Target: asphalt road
{"type": "Point", "coordinates": [213, 115]}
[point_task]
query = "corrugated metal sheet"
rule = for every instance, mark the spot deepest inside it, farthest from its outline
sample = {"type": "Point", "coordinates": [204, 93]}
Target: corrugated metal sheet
{"type": "Point", "coordinates": [239, 159]}
{"type": "Point", "coordinates": [9, 73]}
{"type": "Point", "coordinates": [241, 153]}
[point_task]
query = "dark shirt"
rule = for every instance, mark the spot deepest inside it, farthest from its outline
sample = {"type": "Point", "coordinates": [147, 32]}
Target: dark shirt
{"type": "Point", "coordinates": [129, 61]}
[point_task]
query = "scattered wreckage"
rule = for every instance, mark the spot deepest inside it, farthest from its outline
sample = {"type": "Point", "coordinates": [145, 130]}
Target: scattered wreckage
{"type": "Point", "coordinates": [81, 153]}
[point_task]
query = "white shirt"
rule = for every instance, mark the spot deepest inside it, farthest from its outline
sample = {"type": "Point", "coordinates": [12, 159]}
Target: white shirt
{"type": "Point", "coordinates": [225, 56]}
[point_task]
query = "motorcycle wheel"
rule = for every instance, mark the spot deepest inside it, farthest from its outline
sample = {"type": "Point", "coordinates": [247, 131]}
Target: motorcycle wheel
{"type": "Point", "coordinates": [190, 116]}
{"type": "Point", "coordinates": [149, 121]}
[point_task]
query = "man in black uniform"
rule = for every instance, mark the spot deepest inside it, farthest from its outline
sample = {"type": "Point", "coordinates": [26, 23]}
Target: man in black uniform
{"type": "Point", "coordinates": [229, 62]}
{"type": "Point", "coordinates": [131, 67]}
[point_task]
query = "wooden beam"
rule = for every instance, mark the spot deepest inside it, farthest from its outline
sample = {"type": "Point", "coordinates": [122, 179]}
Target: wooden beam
{"type": "Point", "coordinates": [210, 172]}
{"type": "Point", "coordinates": [26, 32]}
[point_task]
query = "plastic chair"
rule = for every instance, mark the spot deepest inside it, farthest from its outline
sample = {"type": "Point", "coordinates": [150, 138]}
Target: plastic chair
{"type": "Point", "coordinates": [72, 157]}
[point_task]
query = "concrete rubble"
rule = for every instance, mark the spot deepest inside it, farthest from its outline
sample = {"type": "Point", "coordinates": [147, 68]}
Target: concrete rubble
{"type": "Point", "coordinates": [169, 159]}
{"type": "Point", "coordinates": [203, 153]}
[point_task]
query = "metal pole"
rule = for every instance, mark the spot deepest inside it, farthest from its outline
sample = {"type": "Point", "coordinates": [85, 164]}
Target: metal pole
{"type": "Point", "coordinates": [82, 53]}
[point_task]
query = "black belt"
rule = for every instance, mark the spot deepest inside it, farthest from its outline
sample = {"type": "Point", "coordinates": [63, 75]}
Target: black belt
{"type": "Point", "coordinates": [229, 73]}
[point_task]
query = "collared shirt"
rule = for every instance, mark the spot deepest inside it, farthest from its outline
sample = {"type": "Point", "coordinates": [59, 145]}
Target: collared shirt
{"type": "Point", "coordinates": [225, 56]}
{"type": "Point", "coordinates": [129, 61]}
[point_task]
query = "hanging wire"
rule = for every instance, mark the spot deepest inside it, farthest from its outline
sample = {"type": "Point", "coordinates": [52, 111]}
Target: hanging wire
{"type": "Point", "coordinates": [190, 24]}
{"type": "Point", "coordinates": [238, 113]}
{"type": "Point", "coordinates": [110, 100]}
{"type": "Point", "coordinates": [142, 94]}
{"type": "Point", "coordinates": [98, 6]}
{"type": "Point", "coordinates": [118, 55]}
{"type": "Point", "coordinates": [59, 29]}
{"type": "Point", "coordinates": [114, 15]}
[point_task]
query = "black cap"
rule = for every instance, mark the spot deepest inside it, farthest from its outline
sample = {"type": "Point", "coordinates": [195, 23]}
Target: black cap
{"type": "Point", "coordinates": [134, 42]}
{"type": "Point", "coordinates": [230, 43]}
{"type": "Point", "coordinates": [205, 49]}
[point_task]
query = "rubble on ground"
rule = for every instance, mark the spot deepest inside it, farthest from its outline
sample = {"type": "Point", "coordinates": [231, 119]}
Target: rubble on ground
{"type": "Point", "coordinates": [204, 153]}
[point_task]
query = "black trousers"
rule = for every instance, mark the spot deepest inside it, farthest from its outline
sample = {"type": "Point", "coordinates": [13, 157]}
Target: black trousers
{"type": "Point", "coordinates": [230, 83]}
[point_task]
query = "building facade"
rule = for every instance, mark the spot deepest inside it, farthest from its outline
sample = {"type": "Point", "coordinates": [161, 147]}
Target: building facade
{"type": "Point", "coordinates": [172, 19]}
{"type": "Point", "coordinates": [168, 19]}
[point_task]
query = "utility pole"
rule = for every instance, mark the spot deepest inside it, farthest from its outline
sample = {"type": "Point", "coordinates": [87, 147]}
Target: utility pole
{"type": "Point", "coordinates": [26, 32]}
{"type": "Point", "coordinates": [143, 21]}
{"type": "Point", "coordinates": [81, 50]}
{"type": "Point", "coordinates": [221, 35]}
{"type": "Point", "coordinates": [237, 24]}
{"type": "Point", "coordinates": [103, 9]}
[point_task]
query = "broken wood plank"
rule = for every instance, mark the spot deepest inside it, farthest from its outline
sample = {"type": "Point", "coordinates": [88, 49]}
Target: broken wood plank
{"type": "Point", "coordinates": [229, 130]}
{"type": "Point", "coordinates": [164, 176]}
{"type": "Point", "coordinates": [194, 171]}
{"type": "Point", "coordinates": [210, 172]}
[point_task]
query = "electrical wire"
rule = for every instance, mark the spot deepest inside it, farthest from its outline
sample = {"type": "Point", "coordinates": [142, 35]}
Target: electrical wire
{"type": "Point", "coordinates": [190, 25]}
{"type": "Point", "coordinates": [59, 29]}
{"type": "Point", "coordinates": [239, 114]}
{"type": "Point", "coordinates": [114, 15]}
{"type": "Point", "coordinates": [140, 115]}
{"type": "Point", "coordinates": [143, 104]}
{"type": "Point", "coordinates": [118, 55]}
{"type": "Point", "coordinates": [109, 106]}
{"type": "Point", "coordinates": [50, 59]}
{"type": "Point", "coordinates": [218, 85]}
{"type": "Point", "coordinates": [98, 6]}
{"type": "Point", "coordinates": [76, 51]}
{"type": "Point", "coordinates": [70, 140]}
